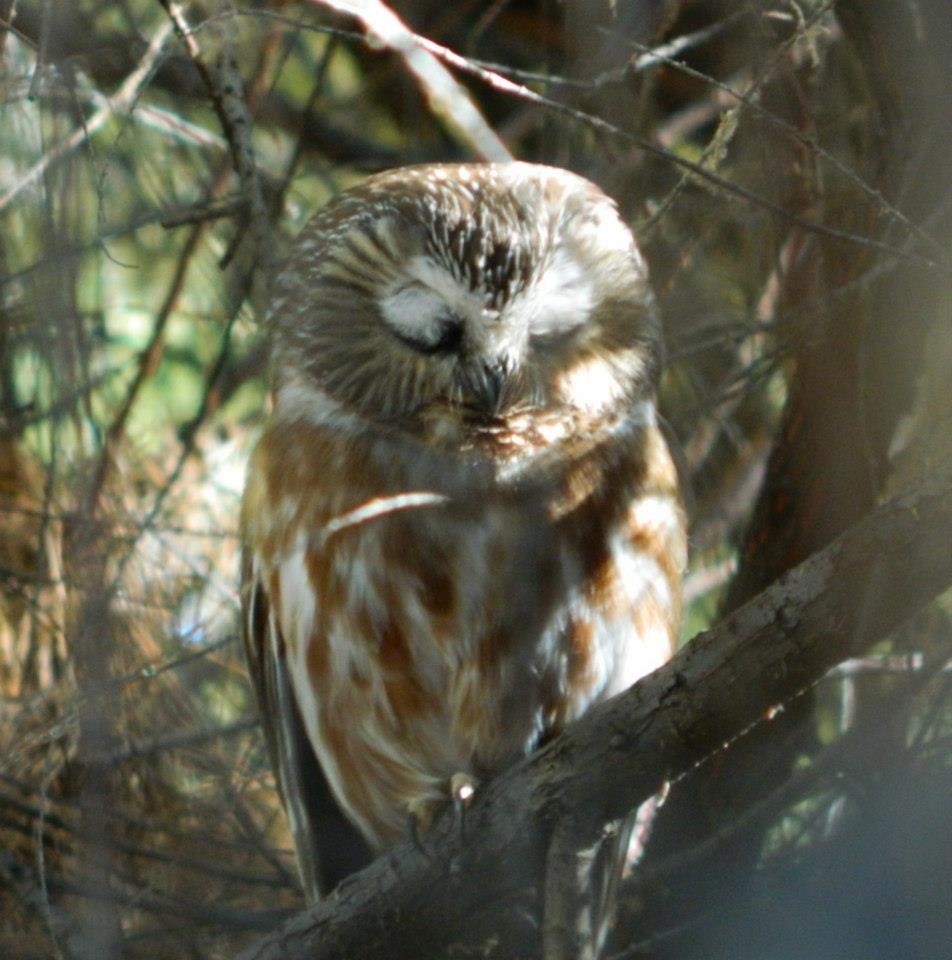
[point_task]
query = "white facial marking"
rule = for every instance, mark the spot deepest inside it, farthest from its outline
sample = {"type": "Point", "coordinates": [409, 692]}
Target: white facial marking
{"type": "Point", "coordinates": [561, 298]}
{"type": "Point", "coordinates": [415, 312]}
{"type": "Point", "coordinates": [454, 294]}
{"type": "Point", "coordinates": [608, 232]}
{"type": "Point", "coordinates": [598, 383]}
{"type": "Point", "coordinates": [657, 513]}
{"type": "Point", "coordinates": [300, 399]}
{"type": "Point", "coordinates": [419, 305]}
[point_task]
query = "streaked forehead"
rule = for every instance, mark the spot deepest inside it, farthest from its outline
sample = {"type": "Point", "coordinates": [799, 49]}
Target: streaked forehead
{"type": "Point", "coordinates": [511, 191]}
{"type": "Point", "coordinates": [490, 226]}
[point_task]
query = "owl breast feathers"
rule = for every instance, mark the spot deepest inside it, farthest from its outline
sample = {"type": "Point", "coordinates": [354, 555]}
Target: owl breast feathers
{"type": "Point", "coordinates": [462, 525]}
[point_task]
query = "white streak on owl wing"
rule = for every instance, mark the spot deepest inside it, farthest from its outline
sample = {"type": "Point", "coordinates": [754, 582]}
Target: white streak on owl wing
{"type": "Point", "coordinates": [326, 846]}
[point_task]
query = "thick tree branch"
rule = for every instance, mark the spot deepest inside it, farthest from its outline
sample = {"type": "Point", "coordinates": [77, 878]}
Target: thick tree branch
{"type": "Point", "coordinates": [467, 892]}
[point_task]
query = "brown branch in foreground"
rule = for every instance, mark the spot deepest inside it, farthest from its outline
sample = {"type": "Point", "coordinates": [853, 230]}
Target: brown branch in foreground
{"type": "Point", "coordinates": [467, 891]}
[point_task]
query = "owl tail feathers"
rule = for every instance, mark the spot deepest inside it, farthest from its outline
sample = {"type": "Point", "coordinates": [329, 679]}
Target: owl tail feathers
{"type": "Point", "coordinates": [581, 892]}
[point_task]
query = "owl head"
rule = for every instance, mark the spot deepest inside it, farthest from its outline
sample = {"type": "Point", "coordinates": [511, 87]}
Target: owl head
{"type": "Point", "coordinates": [482, 291]}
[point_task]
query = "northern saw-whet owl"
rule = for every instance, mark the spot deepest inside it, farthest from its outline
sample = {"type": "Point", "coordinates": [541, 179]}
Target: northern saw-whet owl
{"type": "Point", "coordinates": [462, 525]}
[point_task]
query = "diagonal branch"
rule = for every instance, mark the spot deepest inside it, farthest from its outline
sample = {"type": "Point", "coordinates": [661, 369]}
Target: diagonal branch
{"type": "Point", "coordinates": [448, 99]}
{"type": "Point", "coordinates": [471, 889]}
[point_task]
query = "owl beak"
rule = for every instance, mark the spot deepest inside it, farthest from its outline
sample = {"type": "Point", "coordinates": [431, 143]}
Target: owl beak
{"type": "Point", "coordinates": [486, 384]}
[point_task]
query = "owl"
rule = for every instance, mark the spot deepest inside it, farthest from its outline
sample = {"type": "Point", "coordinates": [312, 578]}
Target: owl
{"type": "Point", "coordinates": [462, 525]}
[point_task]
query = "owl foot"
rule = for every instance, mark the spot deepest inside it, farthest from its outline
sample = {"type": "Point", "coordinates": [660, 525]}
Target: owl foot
{"type": "Point", "coordinates": [421, 813]}
{"type": "Point", "coordinates": [462, 791]}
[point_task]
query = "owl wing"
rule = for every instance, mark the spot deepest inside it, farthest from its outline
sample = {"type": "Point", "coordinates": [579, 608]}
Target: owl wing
{"type": "Point", "coordinates": [328, 846]}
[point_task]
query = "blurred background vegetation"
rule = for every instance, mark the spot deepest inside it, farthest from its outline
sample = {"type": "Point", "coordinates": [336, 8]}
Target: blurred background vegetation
{"type": "Point", "coordinates": [785, 166]}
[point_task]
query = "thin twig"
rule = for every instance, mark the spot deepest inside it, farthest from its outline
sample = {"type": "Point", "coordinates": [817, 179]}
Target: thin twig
{"type": "Point", "coordinates": [119, 103]}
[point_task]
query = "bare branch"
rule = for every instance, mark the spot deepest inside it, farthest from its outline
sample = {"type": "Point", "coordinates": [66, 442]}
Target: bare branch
{"type": "Point", "coordinates": [120, 102]}
{"type": "Point", "coordinates": [447, 98]}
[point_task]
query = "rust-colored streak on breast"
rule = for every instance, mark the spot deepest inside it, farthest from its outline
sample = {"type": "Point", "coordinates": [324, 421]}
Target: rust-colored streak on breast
{"type": "Point", "coordinates": [472, 707]}
{"type": "Point", "coordinates": [317, 657]}
{"type": "Point", "coordinates": [436, 590]}
{"type": "Point", "coordinates": [625, 521]}
{"type": "Point", "coordinates": [665, 547]}
{"type": "Point", "coordinates": [582, 639]}
{"type": "Point", "coordinates": [605, 591]}
{"type": "Point", "coordinates": [648, 617]}
{"type": "Point", "coordinates": [407, 698]}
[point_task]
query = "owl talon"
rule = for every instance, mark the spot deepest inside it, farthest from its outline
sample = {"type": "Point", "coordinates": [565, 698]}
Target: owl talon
{"type": "Point", "coordinates": [413, 829]}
